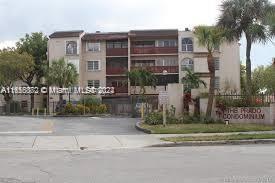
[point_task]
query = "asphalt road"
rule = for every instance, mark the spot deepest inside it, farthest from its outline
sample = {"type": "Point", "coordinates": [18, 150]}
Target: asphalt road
{"type": "Point", "coordinates": [67, 126]}
{"type": "Point", "coordinates": [215, 164]}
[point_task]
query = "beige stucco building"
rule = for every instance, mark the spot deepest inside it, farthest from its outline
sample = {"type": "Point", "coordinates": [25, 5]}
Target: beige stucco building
{"type": "Point", "coordinates": [102, 59]}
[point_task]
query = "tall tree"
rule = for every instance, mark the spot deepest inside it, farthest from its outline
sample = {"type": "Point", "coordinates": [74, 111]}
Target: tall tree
{"type": "Point", "coordinates": [62, 74]}
{"type": "Point", "coordinates": [263, 78]}
{"type": "Point", "coordinates": [35, 45]}
{"type": "Point", "coordinates": [251, 18]}
{"type": "Point", "coordinates": [210, 37]}
{"type": "Point", "coordinates": [13, 66]}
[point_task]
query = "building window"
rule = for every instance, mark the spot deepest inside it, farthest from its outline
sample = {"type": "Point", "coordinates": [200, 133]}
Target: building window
{"type": "Point", "coordinates": [167, 62]}
{"type": "Point", "coordinates": [143, 63]}
{"type": "Point", "coordinates": [71, 47]}
{"type": "Point", "coordinates": [166, 43]}
{"type": "Point", "coordinates": [217, 64]}
{"type": "Point", "coordinates": [93, 65]}
{"type": "Point", "coordinates": [117, 44]}
{"type": "Point", "coordinates": [187, 44]}
{"type": "Point", "coordinates": [94, 47]}
{"type": "Point", "coordinates": [93, 83]}
{"type": "Point", "coordinates": [217, 83]}
{"type": "Point", "coordinates": [187, 63]}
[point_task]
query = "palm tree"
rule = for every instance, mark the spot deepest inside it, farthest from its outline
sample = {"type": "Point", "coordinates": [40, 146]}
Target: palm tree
{"type": "Point", "coordinates": [190, 81]}
{"type": "Point", "coordinates": [210, 37]}
{"type": "Point", "coordinates": [141, 78]}
{"type": "Point", "coordinates": [62, 74]}
{"type": "Point", "coordinates": [146, 78]}
{"type": "Point", "coordinates": [251, 18]}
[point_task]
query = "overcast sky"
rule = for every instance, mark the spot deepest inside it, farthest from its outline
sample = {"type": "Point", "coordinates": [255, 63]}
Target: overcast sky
{"type": "Point", "coordinates": [24, 16]}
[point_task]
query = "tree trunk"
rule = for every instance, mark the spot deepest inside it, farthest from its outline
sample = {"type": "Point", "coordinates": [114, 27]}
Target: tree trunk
{"type": "Point", "coordinates": [8, 99]}
{"type": "Point", "coordinates": [211, 68]}
{"type": "Point", "coordinates": [32, 101]}
{"type": "Point", "coordinates": [248, 68]}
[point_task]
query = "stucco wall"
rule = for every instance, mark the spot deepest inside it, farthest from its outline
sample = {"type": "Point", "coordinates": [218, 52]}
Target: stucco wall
{"type": "Point", "coordinates": [93, 56]}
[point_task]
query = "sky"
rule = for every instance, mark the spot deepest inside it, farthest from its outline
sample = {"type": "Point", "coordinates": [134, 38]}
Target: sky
{"type": "Point", "coordinates": [19, 17]}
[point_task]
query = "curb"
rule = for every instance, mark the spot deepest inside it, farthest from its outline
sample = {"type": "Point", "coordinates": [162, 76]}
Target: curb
{"type": "Point", "coordinates": [216, 143]}
{"type": "Point", "coordinates": [138, 127]}
{"type": "Point", "coordinates": [56, 116]}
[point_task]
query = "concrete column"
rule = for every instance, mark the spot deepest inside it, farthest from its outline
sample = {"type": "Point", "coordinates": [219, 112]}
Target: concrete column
{"type": "Point", "coordinates": [272, 113]}
{"type": "Point", "coordinates": [175, 97]}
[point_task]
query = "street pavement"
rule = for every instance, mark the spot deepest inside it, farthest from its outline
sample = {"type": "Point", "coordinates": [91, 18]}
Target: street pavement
{"type": "Point", "coordinates": [213, 164]}
{"type": "Point", "coordinates": [66, 126]}
{"type": "Point", "coordinates": [64, 133]}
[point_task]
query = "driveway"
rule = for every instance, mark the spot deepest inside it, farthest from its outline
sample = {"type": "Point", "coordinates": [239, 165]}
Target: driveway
{"type": "Point", "coordinates": [66, 126]}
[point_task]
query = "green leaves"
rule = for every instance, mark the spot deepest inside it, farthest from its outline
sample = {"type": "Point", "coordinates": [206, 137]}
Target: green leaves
{"type": "Point", "coordinates": [142, 78]}
{"type": "Point", "coordinates": [210, 37]}
{"type": "Point", "coordinates": [35, 45]}
{"type": "Point", "coordinates": [62, 74]}
{"type": "Point", "coordinates": [191, 81]}
{"type": "Point", "coordinates": [14, 66]}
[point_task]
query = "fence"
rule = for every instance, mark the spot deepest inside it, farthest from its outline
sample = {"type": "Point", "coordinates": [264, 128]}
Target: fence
{"type": "Point", "coordinates": [236, 100]}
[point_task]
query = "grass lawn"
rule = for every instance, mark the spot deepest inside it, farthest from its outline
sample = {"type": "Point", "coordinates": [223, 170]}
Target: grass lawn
{"type": "Point", "coordinates": [205, 128]}
{"type": "Point", "coordinates": [220, 137]}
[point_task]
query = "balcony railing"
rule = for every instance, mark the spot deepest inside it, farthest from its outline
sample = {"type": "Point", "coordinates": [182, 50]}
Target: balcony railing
{"type": "Point", "coordinates": [123, 89]}
{"type": "Point", "coordinates": [154, 50]}
{"type": "Point", "coordinates": [117, 51]}
{"type": "Point", "coordinates": [159, 69]}
{"type": "Point", "coordinates": [116, 70]}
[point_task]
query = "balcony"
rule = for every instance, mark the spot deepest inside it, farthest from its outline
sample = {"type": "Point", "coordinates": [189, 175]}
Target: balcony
{"type": "Point", "coordinates": [116, 70]}
{"type": "Point", "coordinates": [159, 69]}
{"type": "Point", "coordinates": [154, 50]}
{"type": "Point", "coordinates": [117, 52]}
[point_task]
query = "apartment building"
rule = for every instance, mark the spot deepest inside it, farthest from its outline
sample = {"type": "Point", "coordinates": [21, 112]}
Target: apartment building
{"type": "Point", "coordinates": [102, 59]}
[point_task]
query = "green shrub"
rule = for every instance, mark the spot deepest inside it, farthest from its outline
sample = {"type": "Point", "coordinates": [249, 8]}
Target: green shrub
{"type": "Point", "coordinates": [154, 118]}
{"type": "Point", "coordinates": [90, 100]}
{"type": "Point", "coordinates": [187, 119]}
{"type": "Point", "coordinates": [81, 108]}
{"type": "Point", "coordinates": [70, 109]}
{"type": "Point", "coordinates": [102, 108]}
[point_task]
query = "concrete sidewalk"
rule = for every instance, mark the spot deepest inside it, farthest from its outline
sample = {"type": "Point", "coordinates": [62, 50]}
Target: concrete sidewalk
{"type": "Point", "coordinates": [95, 142]}
{"type": "Point", "coordinates": [87, 142]}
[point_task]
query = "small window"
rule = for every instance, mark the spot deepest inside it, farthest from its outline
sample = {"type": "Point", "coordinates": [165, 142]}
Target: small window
{"type": "Point", "coordinates": [71, 47]}
{"type": "Point", "coordinates": [93, 83]}
{"type": "Point", "coordinates": [217, 64]}
{"type": "Point", "coordinates": [94, 47]}
{"type": "Point", "coordinates": [187, 63]}
{"type": "Point", "coordinates": [92, 65]}
{"type": "Point", "coordinates": [217, 83]}
{"type": "Point", "coordinates": [187, 45]}
{"type": "Point", "coordinates": [166, 43]}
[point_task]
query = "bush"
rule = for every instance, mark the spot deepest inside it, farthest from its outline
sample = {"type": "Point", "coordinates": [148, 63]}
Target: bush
{"type": "Point", "coordinates": [90, 100]}
{"type": "Point", "coordinates": [70, 109]}
{"type": "Point", "coordinates": [102, 108]}
{"type": "Point", "coordinates": [154, 118]}
{"type": "Point", "coordinates": [81, 108]}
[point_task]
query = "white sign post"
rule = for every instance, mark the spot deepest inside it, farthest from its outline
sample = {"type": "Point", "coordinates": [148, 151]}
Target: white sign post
{"type": "Point", "coordinates": [163, 99]}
